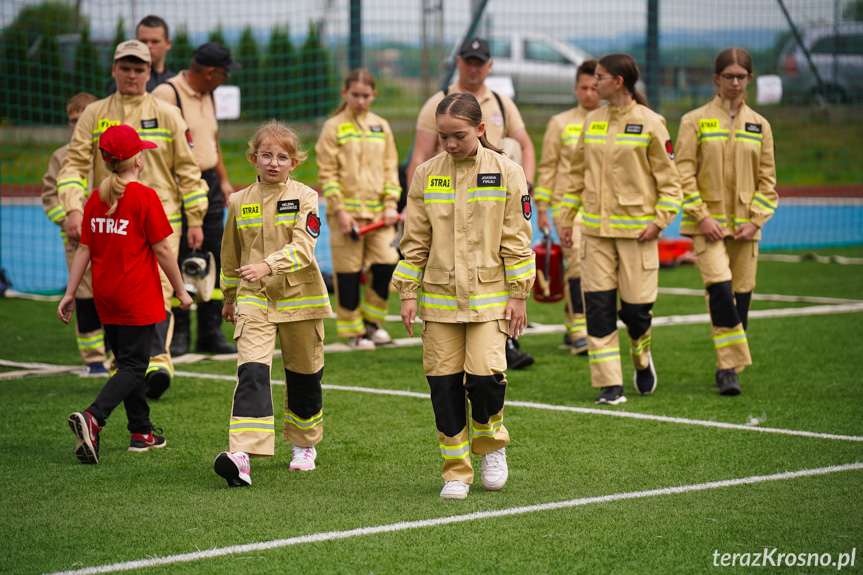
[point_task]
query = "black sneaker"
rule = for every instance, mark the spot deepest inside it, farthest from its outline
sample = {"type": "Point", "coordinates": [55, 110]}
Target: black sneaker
{"type": "Point", "coordinates": [157, 381]}
{"type": "Point", "coordinates": [143, 442]}
{"type": "Point", "coordinates": [727, 381]}
{"type": "Point", "coordinates": [580, 346]}
{"type": "Point", "coordinates": [611, 395]}
{"type": "Point", "coordinates": [645, 379]}
{"type": "Point", "coordinates": [515, 358]}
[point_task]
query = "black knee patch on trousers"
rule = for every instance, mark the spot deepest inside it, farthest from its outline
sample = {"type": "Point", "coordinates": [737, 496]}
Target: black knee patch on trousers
{"type": "Point", "coordinates": [637, 318]}
{"type": "Point", "coordinates": [447, 395]}
{"type": "Point", "coordinates": [486, 394]}
{"type": "Point", "coordinates": [88, 317]}
{"type": "Point", "coordinates": [160, 340]}
{"type": "Point", "coordinates": [600, 310]}
{"type": "Point", "coordinates": [381, 276]}
{"type": "Point", "coordinates": [723, 311]}
{"type": "Point", "coordinates": [304, 392]}
{"type": "Point", "coordinates": [743, 300]}
{"type": "Point", "coordinates": [575, 302]}
{"type": "Point", "coordinates": [349, 289]}
{"type": "Point", "coordinates": [253, 397]}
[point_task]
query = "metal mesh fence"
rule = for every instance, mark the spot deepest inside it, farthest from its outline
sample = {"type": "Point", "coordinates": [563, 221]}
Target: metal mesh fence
{"type": "Point", "coordinates": [295, 56]}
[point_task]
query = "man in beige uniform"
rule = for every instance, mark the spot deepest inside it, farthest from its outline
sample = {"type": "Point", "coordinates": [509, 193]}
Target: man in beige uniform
{"type": "Point", "coordinates": [88, 327]}
{"type": "Point", "coordinates": [171, 171]}
{"type": "Point", "coordinates": [192, 91]}
{"type": "Point", "coordinates": [502, 121]}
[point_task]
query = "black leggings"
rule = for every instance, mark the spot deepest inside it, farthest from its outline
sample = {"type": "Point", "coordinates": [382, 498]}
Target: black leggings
{"type": "Point", "coordinates": [131, 345]}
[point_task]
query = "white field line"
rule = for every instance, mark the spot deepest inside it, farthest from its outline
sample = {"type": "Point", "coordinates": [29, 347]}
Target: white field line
{"type": "Point", "coordinates": [479, 515]}
{"type": "Point", "coordinates": [566, 408]}
{"type": "Point", "coordinates": [765, 296]}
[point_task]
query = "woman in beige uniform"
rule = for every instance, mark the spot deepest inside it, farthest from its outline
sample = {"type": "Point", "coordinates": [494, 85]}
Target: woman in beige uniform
{"type": "Point", "coordinates": [468, 270]}
{"type": "Point", "coordinates": [625, 180]}
{"type": "Point", "coordinates": [727, 168]}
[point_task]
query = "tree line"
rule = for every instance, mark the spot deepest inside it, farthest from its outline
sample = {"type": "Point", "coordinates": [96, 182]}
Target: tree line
{"type": "Point", "coordinates": [47, 55]}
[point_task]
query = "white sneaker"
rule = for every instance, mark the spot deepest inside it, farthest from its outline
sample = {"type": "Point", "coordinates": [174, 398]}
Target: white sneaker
{"type": "Point", "coordinates": [380, 336]}
{"type": "Point", "coordinates": [361, 343]}
{"type": "Point", "coordinates": [304, 458]}
{"type": "Point", "coordinates": [234, 467]}
{"type": "Point", "coordinates": [455, 490]}
{"type": "Point", "coordinates": [494, 470]}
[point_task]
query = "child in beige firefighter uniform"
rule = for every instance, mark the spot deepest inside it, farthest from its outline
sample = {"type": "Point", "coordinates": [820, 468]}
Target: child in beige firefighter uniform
{"type": "Point", "coordinates": [358, 170]}
{"type": "Point", "coordinates": [625, 181]}
{"type": "Point", "coordinates": [727, 169]}
{"type": "Point", "coordinates": [467, 269]}
{"type": "Point", "coordinates": [88, 327]}
{"type": "Point", "coordinates": [561, 136]}
{"type": "Point", "coordinates": [274, 290]}
{"type": "Point", "coordinates": [172, 172]}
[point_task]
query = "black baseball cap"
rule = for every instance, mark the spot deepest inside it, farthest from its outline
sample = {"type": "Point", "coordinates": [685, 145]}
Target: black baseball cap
{"type": "Point", "coordinates": [475, 48]}
{"type": "Point", "coordinates": [216, 55]}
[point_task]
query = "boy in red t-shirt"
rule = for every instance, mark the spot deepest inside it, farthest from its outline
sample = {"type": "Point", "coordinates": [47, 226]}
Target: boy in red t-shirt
{"type": "Point", "coordinates": [124, 233]}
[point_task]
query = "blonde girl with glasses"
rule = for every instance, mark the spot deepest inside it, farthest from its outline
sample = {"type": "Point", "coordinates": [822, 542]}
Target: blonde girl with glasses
{"type": "Point", "coordinates": [274, 291]}
{"type": "Point", "coordinates": [727, 168]}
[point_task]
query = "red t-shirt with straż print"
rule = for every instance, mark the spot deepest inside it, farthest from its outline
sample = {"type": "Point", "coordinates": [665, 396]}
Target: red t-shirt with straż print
{"type": "Point", "coordinates": [126, 285]}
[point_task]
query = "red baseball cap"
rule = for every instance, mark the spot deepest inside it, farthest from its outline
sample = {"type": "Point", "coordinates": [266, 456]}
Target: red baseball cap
{"type": "Point", "coordinates": [121, 142]}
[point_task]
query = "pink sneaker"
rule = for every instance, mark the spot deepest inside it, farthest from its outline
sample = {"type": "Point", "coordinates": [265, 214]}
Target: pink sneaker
{"type": "Point", "coordinates": [234, 467]}
{"type": "Point", "coordinates": [304, 458]}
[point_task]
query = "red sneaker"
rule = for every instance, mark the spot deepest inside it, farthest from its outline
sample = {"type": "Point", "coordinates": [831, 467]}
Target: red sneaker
{"type": "Point", "coordinates": [141, 442]}
{"type": "Point", "coordinates": [84, 427]}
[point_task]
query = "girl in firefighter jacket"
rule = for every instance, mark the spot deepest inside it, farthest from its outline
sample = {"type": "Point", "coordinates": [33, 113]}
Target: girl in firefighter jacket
{"type": "Point", "coordinates": [274, 291]}
{"type": "Point", "coordinates": [467, 271]}
{"type": "Point", "coordinates": [728, 172]}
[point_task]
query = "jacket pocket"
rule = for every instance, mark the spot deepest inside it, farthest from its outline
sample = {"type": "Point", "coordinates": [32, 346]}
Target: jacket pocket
{"type": "Point", "coordinates": [436, 277]}
{"type": "Point", "coordinates": [238, 329]}
{"type": "Point", "coordinates": [300, 277]}
{"type": "Point", "coordinates": [489, 275]}
{"type": "Point", "coordinates": [650, 256]}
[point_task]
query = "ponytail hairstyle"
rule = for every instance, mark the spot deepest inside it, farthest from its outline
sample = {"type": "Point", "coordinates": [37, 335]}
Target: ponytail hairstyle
{"type": "Point", "coordinates": [361, 75]}
{"type": "Point", "coordinates": [112, 189]}
{"type": "Point", "coordinates": [731, 56]}
{"type": "Point", "coordinates": [281, 134]}
{"type": "Point", "coordinates": [464, 105]}
{"type": "Point", "coordinates": [624, 65]}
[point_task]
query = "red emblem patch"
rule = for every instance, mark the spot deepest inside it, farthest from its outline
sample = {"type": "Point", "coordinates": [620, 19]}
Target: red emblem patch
{"type": "Point", "coordinates": [670, 149]}
{"type": "Point", "coordinates": [313, 225]}
{"type": "Point", "coordinates": [189, 139]}
{"type": "Point", "coordinates": [525, 207]}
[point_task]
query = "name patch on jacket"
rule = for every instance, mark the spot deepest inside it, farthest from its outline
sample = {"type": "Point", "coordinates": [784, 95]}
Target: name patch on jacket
{"type": "Point", "coordinates": [377, 129]}
{"type": "Point", "coordinates": [289, 206]}
{"type": "Point", "coordinates": [753, 128]}
{"type": "Point", "coordinates": [488, 180]}
{"type": "Point", "coordinates": [249, 210]}
{"type": "Point", "coordinates": [104, 124]}
{"type": "Point", "coordinates": [439, 183]}
{"type": "Point", "coordinates": [313, 225]}
{"type": "Point", "coordinates": [598, 127]}
{"type": "Point", "coordinates": [708, 124]}
{"type": "Point", "coordinates": [525, 207]}
{"type": "Point", "coordinates": [150, 124]}
{"type": "Point", "coordinates": [634, 128]}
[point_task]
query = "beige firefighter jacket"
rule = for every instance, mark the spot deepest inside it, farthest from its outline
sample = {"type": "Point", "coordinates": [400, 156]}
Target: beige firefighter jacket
{"type": "Point", "coordinates": [277, 224]}
{"type": "Point", "coordinates": [50, 199]}
{"type": "Point", "coordinates": [358, 165]}
{"type": "Point", "coordinates": [727, 169]}
{"type": "Point", "coordinates": [171, 169]}
{"type": "Point", "coordinates": [466, 240]}
{"type": "Point", "coordinates": [558, 145]}
{"type": "Point", "coordinates": [623, 175]}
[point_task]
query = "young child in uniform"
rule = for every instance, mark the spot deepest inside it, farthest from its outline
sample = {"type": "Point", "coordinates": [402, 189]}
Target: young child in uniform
{"type": "Point", "coordinates": [124, 232]}
{"type": "Point", "coordinates": [728, 172]}
{"type": "Point", "coordinates": [624, 180]}
{"type": "Point", "coordinates": [358, 170]}
{"type": "Point", "coordinates": [467, 269]}
{"type": "Point", "coordinates": [274, 290]}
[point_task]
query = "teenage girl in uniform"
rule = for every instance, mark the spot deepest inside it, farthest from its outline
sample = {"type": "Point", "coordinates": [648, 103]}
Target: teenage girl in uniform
{"type": "Point", "coordinates": [124, 232]}
{"type": "Point", "coordinates": [625, 181]}
{"type": "Point", "coordinates": [728, 173]}
{"type": "Point", "coordinates": [467, 270]}
{"type": "Point", "coordinates": [274, 290]}
{"type": "Point", "coordinates": [358, 170]}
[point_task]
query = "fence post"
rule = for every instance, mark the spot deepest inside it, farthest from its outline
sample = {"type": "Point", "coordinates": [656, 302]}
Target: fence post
{"type": "Point", "coordinates": [355, 46]}
{"type": "Point", "coordinates": [651, 70]}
